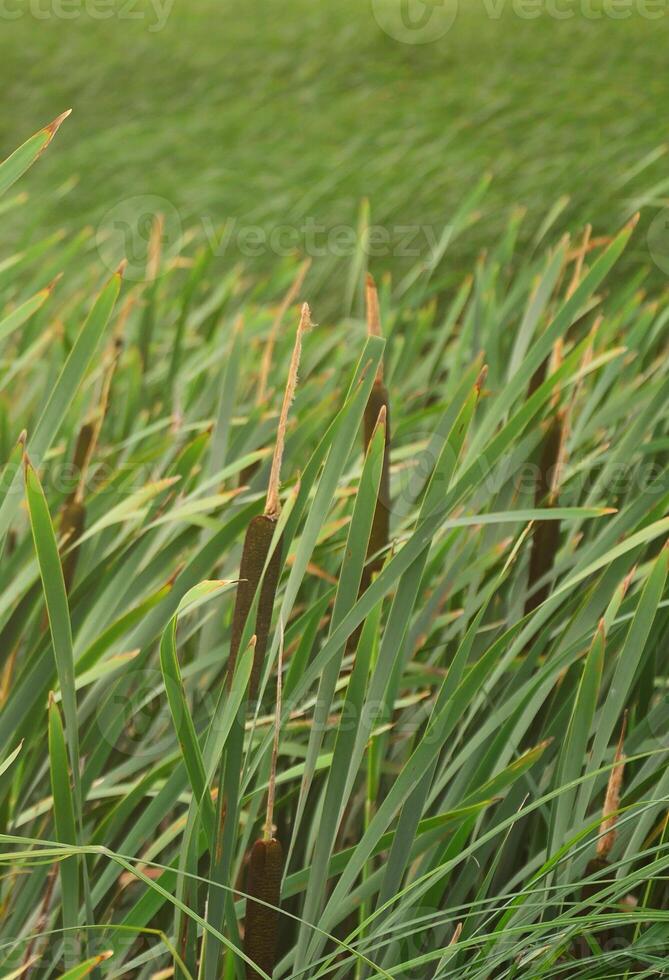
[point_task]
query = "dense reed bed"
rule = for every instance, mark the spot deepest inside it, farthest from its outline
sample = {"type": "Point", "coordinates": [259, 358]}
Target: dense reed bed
{"type": "Point", "coordinates": [202, 774]}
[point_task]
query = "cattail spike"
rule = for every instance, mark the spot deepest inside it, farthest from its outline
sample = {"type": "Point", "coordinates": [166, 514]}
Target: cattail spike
{"type": "Point", "coordinates": [261, 931]}
{"type": "Point", "coordinates": [286, 303]}
{"type": "Point", "coordinates": [607, 828]}
{"type": "Point", "coordinates": [580, 258]}
{"type": "Point", "coordinates": [155, 246]}
{"type": "Point", "coordinates": [481, 379]}
{"type": "Point", "coordinates": [272, 505]}
{"type": "Point", "coordinates": [546, 537]}
{"type": "Point", "coordinates": [255, 552]}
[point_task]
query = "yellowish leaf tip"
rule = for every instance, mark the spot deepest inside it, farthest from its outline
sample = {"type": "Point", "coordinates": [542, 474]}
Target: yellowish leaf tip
{"type": "Point", "coordinates": [52, 285]}
{"type": "Point", "coordinates": [480, 381]}
{"type": "Point", "coordinates": [54, 126]}
{"type": "Point", "coordinates": [121, 268]}
{"type": "Point", "coordinates": [627, 581]}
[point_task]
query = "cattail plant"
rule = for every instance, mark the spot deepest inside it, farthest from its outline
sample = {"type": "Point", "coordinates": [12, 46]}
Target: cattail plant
{"type": "Point", "coordinates": [73, 514]}
{"type": "Point", "coordinates": [546, 537]}
{"type": "Point", "coordinates": [259, 539]}
{"type": "Point", "coordinates": [378, 400]}
{"type": "Point", "coordinates": [265, 365]}
{"type": "Point", "coordinates": [261, 931]}
{"type": "Point", "coordinates": [153, 260]}
{"type": "Point", "coordinates": [606, 839]}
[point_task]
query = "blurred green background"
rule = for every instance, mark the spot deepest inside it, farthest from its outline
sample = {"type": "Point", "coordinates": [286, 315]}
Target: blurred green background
{"type": "Point", "coordinates": [269, 114]}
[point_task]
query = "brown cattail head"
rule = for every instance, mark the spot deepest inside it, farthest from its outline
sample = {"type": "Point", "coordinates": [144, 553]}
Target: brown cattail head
{"type": "Point", "coordinates": [254, 555]}
{"type": "Point", "coordinates": [82, 452]}
{"type": "Point", "coordinates": [590, 890]}
{"type": "Point", "coordinates": [546, 537]}
{"type": "Point", "coordinates": [271, 790]}
{"type": "Point", "coordinates": [378, 402]}
{"type": "Point", "coordinates": [72, 524]}
{"type": "Point", "coordinates": [262, 921]}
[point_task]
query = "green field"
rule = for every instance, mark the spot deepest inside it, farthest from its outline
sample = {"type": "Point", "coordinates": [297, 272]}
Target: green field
{"type": "Point", "coordinates": [334, 641]}
{"type": "Point", "coordinates": [238, 112]}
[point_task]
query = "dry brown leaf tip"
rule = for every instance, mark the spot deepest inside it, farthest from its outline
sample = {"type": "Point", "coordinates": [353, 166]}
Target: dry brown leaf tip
{"type": "Point", "coordinates": [607, 828]}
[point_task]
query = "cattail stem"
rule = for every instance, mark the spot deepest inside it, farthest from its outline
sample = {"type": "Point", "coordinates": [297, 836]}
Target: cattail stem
{"type": "Point", "coordinates": [271, 789]}
{"type": "Point", "coordinates": [286, 303]}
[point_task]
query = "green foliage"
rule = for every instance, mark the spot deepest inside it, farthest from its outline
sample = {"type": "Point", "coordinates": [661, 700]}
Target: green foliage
{"type": "Point", "coordinates": [439, 783]}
